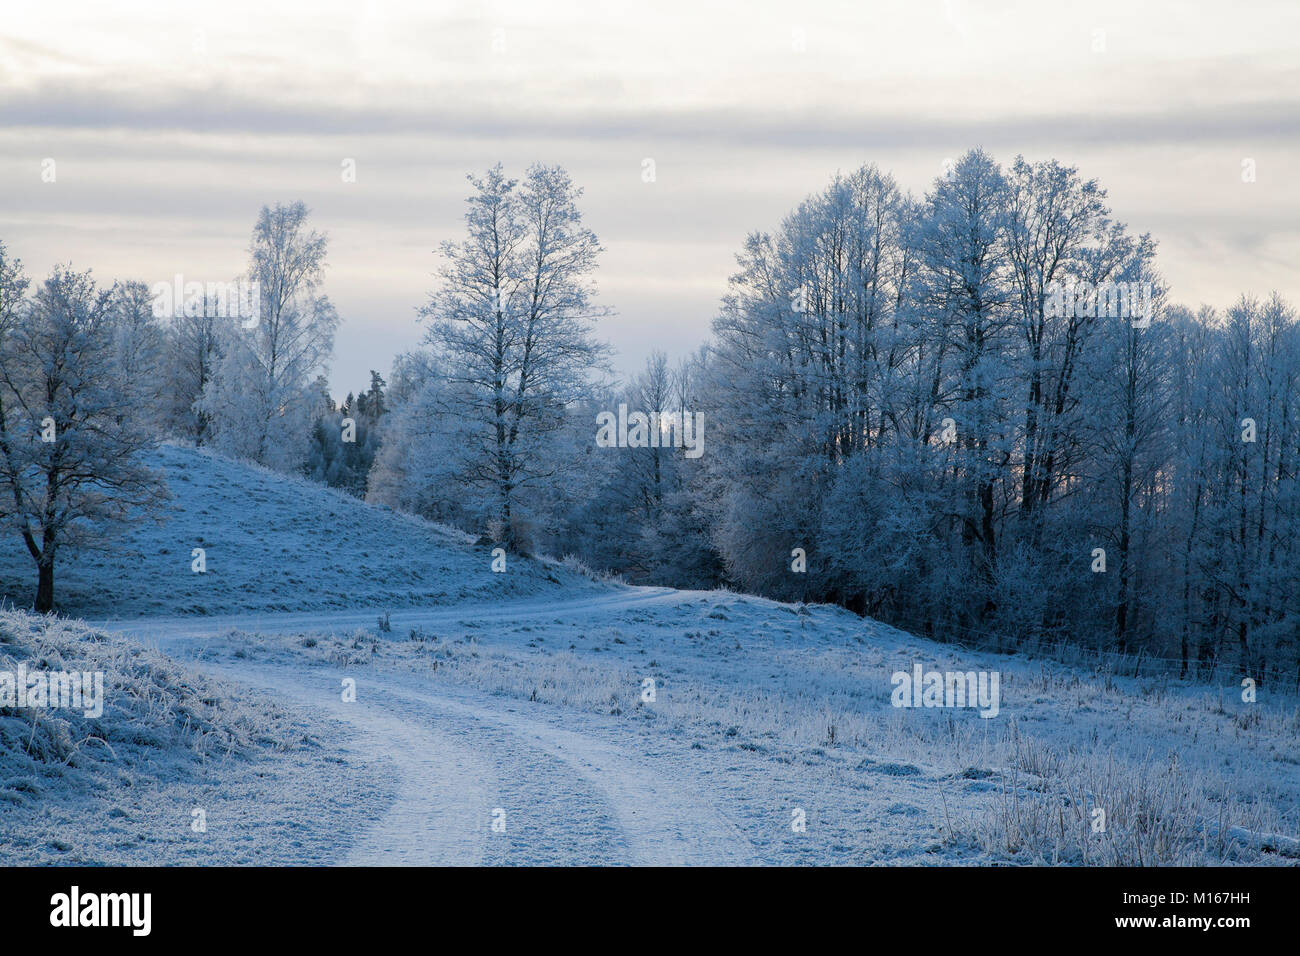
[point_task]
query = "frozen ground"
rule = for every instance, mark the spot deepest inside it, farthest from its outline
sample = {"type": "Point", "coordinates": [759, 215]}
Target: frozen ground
{"type": "Point", "coordinates": [272, 543]}
{"type": "Point", "coordinates": [760, 710]}
{"type": "Point", "coordinates": [274, 785]}
{"type": "Point", "coordinates": [524, 704]}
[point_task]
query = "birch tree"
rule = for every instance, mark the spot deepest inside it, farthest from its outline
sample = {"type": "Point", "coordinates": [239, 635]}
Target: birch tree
{"type": "Point", "coordinates": [261, 405]}
{"type": "Point", "coordinates": [512, 323]}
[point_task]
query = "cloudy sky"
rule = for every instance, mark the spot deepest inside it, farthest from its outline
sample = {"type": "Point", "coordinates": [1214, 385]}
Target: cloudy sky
{"type": "Point", "coordinates": [171, 123]}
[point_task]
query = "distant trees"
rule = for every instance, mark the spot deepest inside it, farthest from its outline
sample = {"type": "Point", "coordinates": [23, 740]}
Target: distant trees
{"type": "Point", "coordinates": [195, 347]}
{"type": "Point", "coordinates": [139, 352]}
{"type": "Point", "coordinates": [635, 510]}
{"type": "Point", "coordinates": [345, 439]}
{"type": "Point", "coordinates": [260, 405]}
{"type": "Point", "coordinates": [413, 469]}
{"type": "Point", "coordinates": [71, 435]}
{"type": "Point", "coordinates": [1245, 494]}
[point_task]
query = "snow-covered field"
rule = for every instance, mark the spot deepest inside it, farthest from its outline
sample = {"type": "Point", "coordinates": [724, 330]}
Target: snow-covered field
{"type": "Point", "coordinates": [520, 699]}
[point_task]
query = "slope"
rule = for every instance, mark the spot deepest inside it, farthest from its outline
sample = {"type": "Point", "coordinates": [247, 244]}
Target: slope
{"type": "Point", "coordinates": [273, 543]}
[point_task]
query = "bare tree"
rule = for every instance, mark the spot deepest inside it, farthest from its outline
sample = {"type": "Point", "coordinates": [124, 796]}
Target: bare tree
{"type": "Point", "coordinates": [13, 292]}
{"type": "Point", "coordinates": [260, 404]}
{"type": "Point", "coordinates": [70, 455]}
{"type": "Point", "coordinates": [512, 325]}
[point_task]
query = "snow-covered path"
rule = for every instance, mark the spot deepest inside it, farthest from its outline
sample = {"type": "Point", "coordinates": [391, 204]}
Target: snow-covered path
{"type": "Point", "coordinates": [161, 630]}
{"type": "Point", "coordinates": [459, 757]}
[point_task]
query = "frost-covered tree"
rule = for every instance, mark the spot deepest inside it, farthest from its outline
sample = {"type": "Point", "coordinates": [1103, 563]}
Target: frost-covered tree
{"type": "Point", "coordinates": [1058, 234]}
{"type": "Point", "coordinates": [512, 326]}
{"type": "Point", "coordinates": [802, 374]}
{"type": "Point", "coordinates": [965, 285]}
{"type": "Point", "coordinates": [194, 350]}
{"type": "Point", "coordinates": [260, 403]}
{"type": "Point", "coordinates": [139, 347]}
{"type": "Point", "coordinates": [71, 442]}
{"type": "Point", "coordinates": [13, 293]}
{"type": "Point", "coordinates": [1128, 378]}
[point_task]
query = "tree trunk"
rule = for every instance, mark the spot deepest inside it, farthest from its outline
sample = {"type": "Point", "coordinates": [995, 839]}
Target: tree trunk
{"type": "Point", "coordinates": [45, 587]}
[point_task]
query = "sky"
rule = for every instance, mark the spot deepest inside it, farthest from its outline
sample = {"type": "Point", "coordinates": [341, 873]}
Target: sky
{"type": "Point", "coordinates": [171, 123]}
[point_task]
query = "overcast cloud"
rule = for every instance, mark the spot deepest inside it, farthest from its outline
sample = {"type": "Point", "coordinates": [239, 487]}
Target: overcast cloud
{"type": "Point", "coordinates": [170, 128]}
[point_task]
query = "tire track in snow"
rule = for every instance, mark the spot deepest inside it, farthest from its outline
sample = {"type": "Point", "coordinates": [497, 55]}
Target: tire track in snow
{"type": "Point", "coordinates": [665, 822]}
{"type": "Point", "coordinates": [453, 771]}
{"type": "Point", "coordinates": [438, 813]}
{"type": "Point", "coordinates": [338, 622]}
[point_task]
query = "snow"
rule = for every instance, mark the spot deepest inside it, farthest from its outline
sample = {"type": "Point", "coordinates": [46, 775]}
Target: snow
{"type": "Point", "coordinates": [747, 691]}
{"type": "Point", "coordinates": [522, 692]}
{"type": "Point", "coordinates": [272, 543]}
{"type": "Point", "coordinates": [122, 789]}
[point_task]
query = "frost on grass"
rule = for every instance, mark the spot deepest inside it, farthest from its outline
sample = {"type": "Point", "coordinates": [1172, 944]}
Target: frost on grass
{"type": "Point", "coordinates": [122, 787]}
{"type": "Point", "coordinates": [767, 706]}
{"type": "Point", "coordinates": [328, 551]}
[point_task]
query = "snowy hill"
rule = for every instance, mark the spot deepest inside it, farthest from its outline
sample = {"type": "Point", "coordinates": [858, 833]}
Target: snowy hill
{"type": "Point", "coordinates": [272, 543]}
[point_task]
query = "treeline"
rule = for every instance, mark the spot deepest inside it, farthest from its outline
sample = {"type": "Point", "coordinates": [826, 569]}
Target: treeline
{"type": "Point", "coordinates": [975, 414]}
{"type": "Point", "coordinates": [961, 457]}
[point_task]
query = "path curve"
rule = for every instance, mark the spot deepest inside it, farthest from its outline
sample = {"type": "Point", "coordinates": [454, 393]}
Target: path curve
{"type": "Point", "coordinates": [459, 753]}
